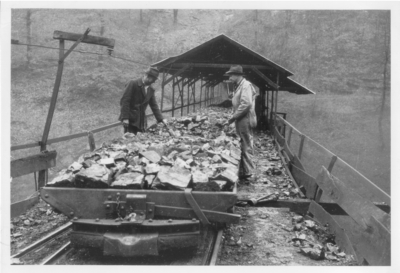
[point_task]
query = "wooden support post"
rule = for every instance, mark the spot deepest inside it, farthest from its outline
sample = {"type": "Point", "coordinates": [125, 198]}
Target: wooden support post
{"type": "Point", "coordinates": [269, 81]}
{"type": "Point", "coordinates": [332, 163]}
{"type": "Point", "coordinates": [180, 71]}
{"type": "Point", "coordinates": [272, 105]}
{"type": "Point", "coordinates": [302, 137]}
{"type": "Point", "coordinates": [92, 144]}
{"type": "Point", "coordinates": [173, 97]}
{"type": "Point", "coordinates": [201, 91]}
{"type": "Point", "coordinates": [188, 97]}
{"type": "Point", "coordinates": [194, 95]}
{"type": "Point", "coordinates": [276, 97]}
{"type": "Point", "coordinates": [181, 94]}
{"type": "Point", "coordinates": [162, 91]}
{"type": "Point", "coordinates": [267, 110]}
{"type": "Point", "coordinates": [289, 135]}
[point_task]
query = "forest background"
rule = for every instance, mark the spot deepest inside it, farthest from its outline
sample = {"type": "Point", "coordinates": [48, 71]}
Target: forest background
{"type": "Point", "coordinates": [343, 56]}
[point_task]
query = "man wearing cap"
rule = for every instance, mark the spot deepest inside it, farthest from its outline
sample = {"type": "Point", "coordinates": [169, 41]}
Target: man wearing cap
{"type": "Point", "coordinates": [245, 119]}
{"type": "Point", "coordinates": [138, 94]}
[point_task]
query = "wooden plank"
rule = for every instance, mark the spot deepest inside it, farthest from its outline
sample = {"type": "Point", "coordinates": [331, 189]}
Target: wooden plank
{"type": "Point", "coordinates": [288, 150]}
{"type": "Point", "coordinates": [372, 245]}
{"type": "Point", "coordinates": [33, 163]}
{"type": "Point", "coordinates": [20, 207]}
{"type": "Point", "coordinates": [307, 181]}
{"type": "Point", "coordinates": [358, 208]}
{"type": "Point", "coordinates": [288, 171]}
{"type": "Point", "coordinates": [297, 163]}
{"type": "Point", "coordinates": [278, 136]}
{"type": "Point", "coordinates": [77, 42]}
{"type": "Point", "coordinates": [24, 146]}
{"type": "Point", "coordinates": [302, 137]}
{"type": "Point", "coordinates": [341, 238]}
{"type": "Point", "coordinates": [177, 73]}
{"type": "Point", "coordinates": [370, 189]}
{"type": "Point", "coordinates": [89, 39]}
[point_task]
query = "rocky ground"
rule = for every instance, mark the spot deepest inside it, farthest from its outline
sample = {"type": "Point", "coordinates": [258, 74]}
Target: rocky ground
{"type": "Point", "coordinates": [265, 236]}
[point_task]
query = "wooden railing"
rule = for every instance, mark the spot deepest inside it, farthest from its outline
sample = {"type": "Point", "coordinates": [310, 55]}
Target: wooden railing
{"type": "Point", "coordinates": [365, 231]}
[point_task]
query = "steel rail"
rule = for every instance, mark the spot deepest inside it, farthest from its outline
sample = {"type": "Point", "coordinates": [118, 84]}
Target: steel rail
{"type": "Point", "coordinates": [59, 253]}
{"type": "Point", "coordinates": [217, 245]}
{"type": "Point", "coordinates": [61, 230]}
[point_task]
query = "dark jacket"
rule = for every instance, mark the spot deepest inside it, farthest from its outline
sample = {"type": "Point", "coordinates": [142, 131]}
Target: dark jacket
{"type": "Point", "coordinates": [134, 104]}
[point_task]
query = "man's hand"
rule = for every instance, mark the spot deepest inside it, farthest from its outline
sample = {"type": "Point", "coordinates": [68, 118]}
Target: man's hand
{"type": "Point", "coordinates": [125, 122]}
{"type": "Point", "coordinates": [165, 121]}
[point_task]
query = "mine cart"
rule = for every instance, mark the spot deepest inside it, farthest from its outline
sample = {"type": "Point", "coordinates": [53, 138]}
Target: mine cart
{"type": "Point", "coordinates": [159, 220]}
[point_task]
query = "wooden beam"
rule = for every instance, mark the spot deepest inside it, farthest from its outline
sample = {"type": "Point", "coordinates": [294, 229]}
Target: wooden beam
{"type": "Point", "coordinates": [177, 73]}
{"type": "Point", "coordinates": [213, 65]}
{"type": "Point", "coordinates": [304, 179]}
{"type": "Point", "coordinates": [268, 80]}
{"type": "Point", "coordinates": [33, 163]}
{"type": "Point", "coordinates": [360, 209]}
{"type": "Point", "coordinates": [61, 35]}
{"type": "Point", "coordinates": [20, 207]}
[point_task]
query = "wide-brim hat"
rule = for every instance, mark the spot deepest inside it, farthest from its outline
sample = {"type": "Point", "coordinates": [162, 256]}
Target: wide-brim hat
{"type": "Point", "coordinates": [235, 70]}
{"type": "Point", "coordinates": [152, 71]}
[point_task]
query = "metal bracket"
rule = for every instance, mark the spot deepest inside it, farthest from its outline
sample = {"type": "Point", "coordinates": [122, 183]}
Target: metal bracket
{"type": "Point", "coordinates": [192, 202]}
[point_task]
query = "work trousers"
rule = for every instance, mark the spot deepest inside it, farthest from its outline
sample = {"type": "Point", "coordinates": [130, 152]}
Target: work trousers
{"type": "Point", "coordinates": [132, 129]}
{"type": "Point", "coordinates": [245, 132]}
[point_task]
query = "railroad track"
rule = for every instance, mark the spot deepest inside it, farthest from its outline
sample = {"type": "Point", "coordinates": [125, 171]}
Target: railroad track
{"type": "Point", "coordinates": [38, 252]}
{"type": "Point", "coordinates": [65, 254]}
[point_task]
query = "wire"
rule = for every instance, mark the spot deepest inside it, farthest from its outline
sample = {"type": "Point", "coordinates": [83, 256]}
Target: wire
{"type": "Point", "coordinates": [83, 52]}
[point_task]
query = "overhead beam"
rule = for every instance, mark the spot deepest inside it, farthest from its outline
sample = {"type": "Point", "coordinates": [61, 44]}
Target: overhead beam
{"type": "Point", "coordinates": [213, 65]}
{"type": "Point", "coordinates": [96, 40]}
{"type": "Point", "coordinates": [180, 71]}
{"type": "Point", "coordinates": [269, 81]}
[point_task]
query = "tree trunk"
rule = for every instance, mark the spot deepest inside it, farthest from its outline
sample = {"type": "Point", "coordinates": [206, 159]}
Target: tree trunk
{"type": "Point", "coordinates": [175, 16]}
{"type": "Point", "coordinates": [28, 37]}
{"type": "Point", "coordinates": [102, 30]}
{"type": "Point", "coordinates": [385, 77]}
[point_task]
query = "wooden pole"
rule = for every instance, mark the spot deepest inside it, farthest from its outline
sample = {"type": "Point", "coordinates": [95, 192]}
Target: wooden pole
{"type": "Point", "coordinates": [277, 90]}
{"type": "Point", "coordinates": [201, 91]}
{"type": "Point", "coordinates": [194, 96]}
{"type": "Point", "coordinates": [173, 96]}
{"type": "Point", "coordinates": [181, 93]}
{"type": "Point", "coordinates": [188, 97]}
{"type": "Point", "coordinates": [272, 105]}
{"type": "Point", "coordinates": [162, 91]}
{"type": "Point", "coordinates": [43, 144]}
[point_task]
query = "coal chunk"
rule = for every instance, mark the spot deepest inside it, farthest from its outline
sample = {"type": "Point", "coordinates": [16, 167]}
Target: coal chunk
{"type": "Point", "coordinates": [64, 179]}
{"type": "Point", "coordinates": [129, 181]}
{"type": "Point", "coordinates": [97, 176]}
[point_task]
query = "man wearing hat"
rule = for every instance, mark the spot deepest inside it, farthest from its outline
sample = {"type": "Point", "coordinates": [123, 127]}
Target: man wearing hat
{"type": "Point", "coordinates": [138, 94]}
{"type": "Point", "coordinates": [245, 119]}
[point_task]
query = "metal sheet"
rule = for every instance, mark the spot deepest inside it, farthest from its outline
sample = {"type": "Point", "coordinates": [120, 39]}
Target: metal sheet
{"type": "Point", "coordinates": [120, 244]}
{"type": "Point", "coordinates": [89, 203]}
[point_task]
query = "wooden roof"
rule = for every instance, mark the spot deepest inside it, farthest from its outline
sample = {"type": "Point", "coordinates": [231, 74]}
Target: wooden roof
{"type": "Point", "coordinates": [213, 58]}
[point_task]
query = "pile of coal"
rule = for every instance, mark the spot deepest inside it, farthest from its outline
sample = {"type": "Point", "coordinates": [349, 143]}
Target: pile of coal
{"type": "Point", "coordinates": [200, 155]}
{"type": "Point", "coordinates": [315, 241]}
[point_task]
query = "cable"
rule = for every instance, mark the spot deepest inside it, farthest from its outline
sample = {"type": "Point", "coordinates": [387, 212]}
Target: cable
{"type": "Point", "coordinates": [83, 52]}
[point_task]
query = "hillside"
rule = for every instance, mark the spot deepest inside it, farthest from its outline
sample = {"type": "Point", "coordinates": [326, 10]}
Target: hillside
{"type": "Point", "coordinates": [338, 54]}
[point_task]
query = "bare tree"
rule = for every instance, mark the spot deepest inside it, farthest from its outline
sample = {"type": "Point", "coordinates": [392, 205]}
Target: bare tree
{"type": "Point", "coordinates": [175, 16]}
{"type": "Point", "coordinates": [28, 37]}
{"type": "Point", "coordinates": [102, 30]}
{"type": "Point", "coordinates": [386, 56]}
